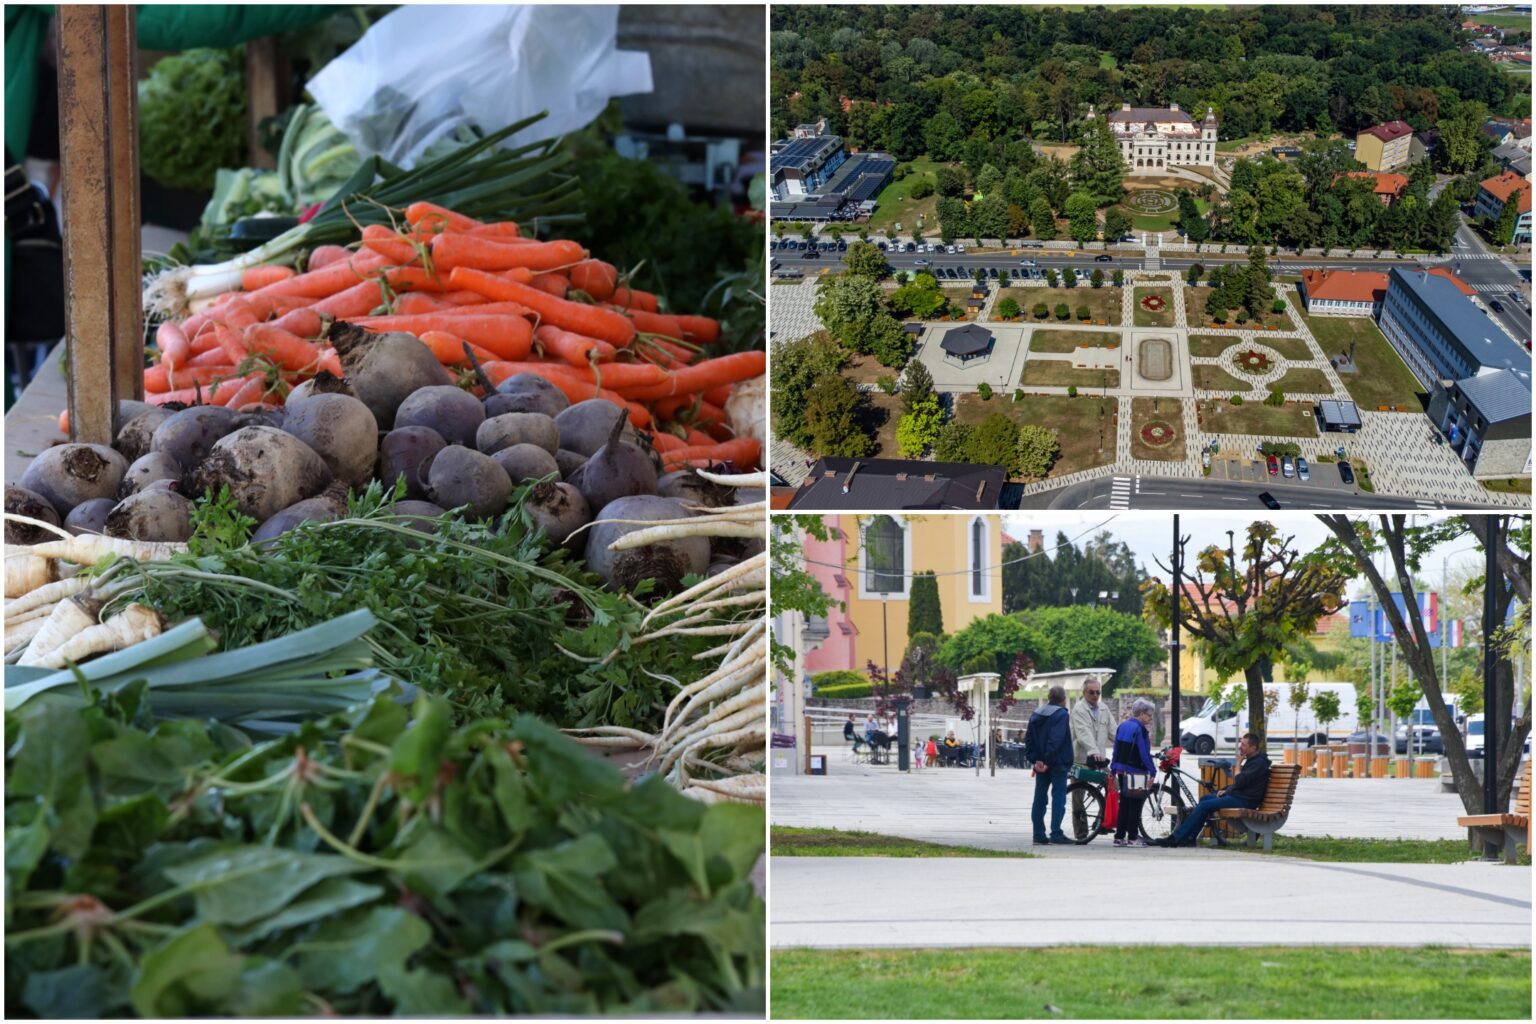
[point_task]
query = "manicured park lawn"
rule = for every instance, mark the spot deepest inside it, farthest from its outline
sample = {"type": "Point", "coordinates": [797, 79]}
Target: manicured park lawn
{"type": "Point", "coordinates": [1510, 486]}
{"type": "Point", "coordinates": [895, 202]}
{"type": "Point", "coordinates": [1167, 411]}
{"type": "Point", "coordinates": [1304, 380]}
{"type": "Point", "coordinates": [1383, 377]}
{"type": "Point", "coordinates": [1066, 341]}
{"type": "Point", "coordinates": [1150, 982]}
{"type": "Point", "coordinates": [1290, 348]}
{"type": "Point", "coordinates": [1148, 318]}
{"type": "Point", "coordinates": [957, 298]}
{"type": "Point", "coordinates": [1214, 378]}
{"type": "Point", "coordinates": [1209, 346]}
{"type": "Point", "coordinates": [1103, 303]}
{"type": "Point", "coordinates": [1081, 424]}
{"type": "Point", "coordinates": [1291, 420]}
{"type": "Point", "coordinates": [1194, 312]}
{"type": "Point", "coordinates": [785, 841]}
{"type": "Point", "coordinates": [1061, 373]}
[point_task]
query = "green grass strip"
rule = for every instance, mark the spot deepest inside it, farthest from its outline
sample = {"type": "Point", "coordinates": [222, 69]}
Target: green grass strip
{"type": "Point", "coordinates": [1146, 982]}
{"type": "Point", "coordinates": [830, 842]}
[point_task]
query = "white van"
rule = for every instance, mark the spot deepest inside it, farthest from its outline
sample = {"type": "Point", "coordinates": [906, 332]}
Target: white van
{"type": "Point", "coordinates": [1216, 726]}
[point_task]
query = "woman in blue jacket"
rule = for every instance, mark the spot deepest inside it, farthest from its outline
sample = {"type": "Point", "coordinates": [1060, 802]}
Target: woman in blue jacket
{"type": "Point", "coordinates": [1134, 769]}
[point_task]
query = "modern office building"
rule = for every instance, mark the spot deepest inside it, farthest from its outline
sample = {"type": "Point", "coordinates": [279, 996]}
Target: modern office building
{"type": "Point", "coordinates": [1487, 419]}
{"type": "Point", "coordinates": [1440, 334]}
{"type": "Point", "coordinates": [1153, 139]}
{"type": "Point", "coordinates": [1384, 147]}
{"type": "Point", "coordinates": [815, 178]}
{"type": "Point", "coordinates": [800, 166]}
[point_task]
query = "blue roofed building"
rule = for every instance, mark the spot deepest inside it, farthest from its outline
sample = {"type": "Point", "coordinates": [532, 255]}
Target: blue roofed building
{"type": "Point", "coordinates": [1487, 419]}
{"type": "Point", "coordinates": [1440, 333]}
{"type": "Point", "coordinates": [801, 166]}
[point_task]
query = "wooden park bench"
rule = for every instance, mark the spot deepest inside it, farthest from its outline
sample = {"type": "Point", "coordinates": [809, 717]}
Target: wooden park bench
{"type": "Point", "coordinates": [1510, 828]}
{"type": "Point", "coordinates": [1267, 818]}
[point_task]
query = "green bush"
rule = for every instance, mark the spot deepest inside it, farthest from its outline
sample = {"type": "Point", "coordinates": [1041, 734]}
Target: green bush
{"type": "Point", "coordinates": [985, 391]}
{"type": "Point", "coordinates": [1071, 390]}
{"type": "Point", "coordinates": [1018, 394]}
{"type": "Point", "coordinates": [1082, 312]}
{"type": "Point", "coordinates": [1237, 399]}
{"type": "Point", "coordinates": [841, 683]}
{"type": "Point", "coordinates": [1062, 312]}
{"type": "Point", "coordinates": [1279, 448]}
{"type": "Point", "coordinates": [1040, 311]}
{"type": "Point", "coordinates": [980, 663]}
{"type": "Point", "coordinates": [886, 383]}
{"type": "Point", "coordinates": [1278, 306]}
{"type": "Point", "coordinates": [1275, 399]}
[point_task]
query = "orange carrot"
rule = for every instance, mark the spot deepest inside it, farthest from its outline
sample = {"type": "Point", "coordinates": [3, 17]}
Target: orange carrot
{"type": "Point", "coordinates": [602, 324]}
{"type": "Point", "coordinates": [399, 251]}
{"type": "Point", "coordinates": [211, 357]}
{"type": "Point", "coordinates": [689, 409]}
{"type": "Point", "coordinates": [286, 350]}
{"type": "Point", "coordinates": [679, 355]}
{"type": "Point", "coordinates": [416, 279]}
{"type": "Point", "coordinates": [632, 299]}
{"type": "Point", "coordinates": [437, 218]}
{"type": "Point", "coordinates": [743, 451]}
{"type": "Point", "coordinates": [652, 323]}
{"type": "Point", "coordinates": [665, 442]}
{"type": "Point", "coordinates": [64, 422]}
{"type": "Point", "coordinates": [710, 373]}
{"type": "Point", "coordinates": [510, 337]}
{"type": "Point", "coordinates": [358, 300]}
{"type": "Point", "coordinates": [304, 322]}
{"type": "Point", "coordinates": [596, 278]}
{"type": "Point", "coordinates": [412, 303]}
{"type": "Point", "coordinates": [573, 348]}
{"type": "Point", "coordinates": [718, 395]}
{"type": "Point", "coordinates": [330, 279]}
{"type": "Point", "coordinates": [252, 392]}
{"type": "Point", "coordinates": [565, 378]}
{"type": "Point", "coordinates": [331, 362]}
{"type": "Point", "coordinates": [162, 378]}
{"type": "Point", "coordinates": [219, 394]}
{"type": "Point", "coordinates": [458, 249]}
{"type": "Point", "coordinates": [325, 255]}
{"type": "Point", "coordinates": [256, 278]}
{"type": "Point", "coordinates": [462, 298]}
{"type": "Point", "coordinates": [554, 283]}
{"type": "Point", "coordinates": [449, 348]}
{"type": "Point", "coordinates": [702, 329]}
{"type": "Point", "coordinates": [175, 348]}
{"type": "Point", "coordinates": [503, 229]}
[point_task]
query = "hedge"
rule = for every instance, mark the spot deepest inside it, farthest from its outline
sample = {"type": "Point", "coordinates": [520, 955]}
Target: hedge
{"type": "Point", "coordinates": [842, 683]}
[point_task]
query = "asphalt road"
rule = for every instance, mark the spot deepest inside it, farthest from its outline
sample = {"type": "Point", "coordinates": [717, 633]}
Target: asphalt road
{"type": "Point", "coordinates": [1177, 493]}
{"type": "Point", "coordinates": [1494, 279]}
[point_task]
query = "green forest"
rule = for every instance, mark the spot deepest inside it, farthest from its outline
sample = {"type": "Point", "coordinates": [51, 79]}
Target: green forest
{"type": "Point", "coordinates": [975, 88]}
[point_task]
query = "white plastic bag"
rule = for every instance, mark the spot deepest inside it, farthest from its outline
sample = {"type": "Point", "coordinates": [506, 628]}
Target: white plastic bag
{"type": "Point", "coordinates": [424, 72]}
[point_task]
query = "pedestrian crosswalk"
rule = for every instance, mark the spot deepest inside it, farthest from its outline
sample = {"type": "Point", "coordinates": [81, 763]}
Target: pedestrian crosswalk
{"type": "Point", "coordinates": [1120, 493]}
{"type": "Point", "coordinates": [1424, 503]}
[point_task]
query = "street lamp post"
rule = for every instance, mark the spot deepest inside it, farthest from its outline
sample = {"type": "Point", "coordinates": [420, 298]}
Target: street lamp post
{"type": "Point", "coordinates": [1173, 643]}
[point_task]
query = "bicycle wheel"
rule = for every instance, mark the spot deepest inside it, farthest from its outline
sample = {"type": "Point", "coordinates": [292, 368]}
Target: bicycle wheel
{"type": "Point", "coordinates": [1093, 809]}
{"type": "Point", "coordinates": [1159, 814]}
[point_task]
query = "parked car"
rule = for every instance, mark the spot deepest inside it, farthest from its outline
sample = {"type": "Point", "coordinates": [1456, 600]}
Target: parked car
{"type": "Point", "coordinates": [909, 247]}
{"type": "Point", "coordinates": [1346, 473]}
{"type": "Point", "coordinates": [1426, 739]}
{"type": "Point", "coordinates": [992, 271]}
{"type": "Point", "coordinates": [959, 247]}
{"type": "Point", "coordinates": [881, 246]}
{"type": "Point", "coordinates": [1103, 259]}
{"type": "Point", "coordinates": [842, 245]}
{"type": "Point", "coordinates": [949, 249]}
{"type": "Point", "coordinates": [1287, 467]}
{"type": "Point", "coordinates": [1273, 464]}
{"type": "Point", "coordinates": [1358, 742]}
{"type": "Point", "coordinates": [1301, 468]}
{"type": "Point", "coordinates": [810, 254]}
{"type": "Point", "coordinates": [1268, 500]}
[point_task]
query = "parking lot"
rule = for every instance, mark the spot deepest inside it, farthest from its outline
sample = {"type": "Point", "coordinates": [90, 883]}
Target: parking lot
{"type": "Point", "coordinates": [1253, 469]}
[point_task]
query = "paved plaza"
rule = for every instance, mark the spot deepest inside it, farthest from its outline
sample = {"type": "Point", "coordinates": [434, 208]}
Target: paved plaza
{"type": "Point", "coordinates": [1200, 896]}
{"type": "Point", "coordinates": [1399, 447]}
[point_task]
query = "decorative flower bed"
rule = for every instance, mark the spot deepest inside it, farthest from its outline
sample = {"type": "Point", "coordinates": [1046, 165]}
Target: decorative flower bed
{"type": "Point", "coordinates": [1157, 434]}
{"type": "Point", "coordinates": [1154, 303]}
{"type": "Point", "coordinates": [1256, 363]}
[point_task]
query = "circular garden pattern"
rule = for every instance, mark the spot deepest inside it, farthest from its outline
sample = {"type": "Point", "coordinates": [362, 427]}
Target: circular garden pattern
{"type": "Point", "coordinates": [1158, 434]}
{"type": "Point", "coordinates": [1251, 361]}
{"type": "Point", "coordinates": [1154, 303]}
{"type": "Point", "coordinates": [1150, 201]}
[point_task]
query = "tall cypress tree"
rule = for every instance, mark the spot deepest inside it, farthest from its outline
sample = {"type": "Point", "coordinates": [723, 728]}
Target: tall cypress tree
{"type": "Point", "coordinates": [924, 613]}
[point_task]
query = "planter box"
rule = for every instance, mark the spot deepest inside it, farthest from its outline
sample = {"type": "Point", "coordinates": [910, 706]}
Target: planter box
{"type": "Point", "coordinates": [1290, 756]}
{"type": "Point", "coordinates": [1341, 765]}
{"type": "Point", "coordinates": [1378, 769]}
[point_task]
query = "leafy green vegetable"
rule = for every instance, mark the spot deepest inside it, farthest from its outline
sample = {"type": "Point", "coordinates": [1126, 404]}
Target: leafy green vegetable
{"type": "Point", "coordinates": [295, 877]}
{"type": "Point", "coordinates": [192, 117]}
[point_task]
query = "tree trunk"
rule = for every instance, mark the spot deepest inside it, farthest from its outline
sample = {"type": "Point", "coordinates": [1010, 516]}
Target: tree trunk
{"type": "Point", "coordinates": [1257, 723]}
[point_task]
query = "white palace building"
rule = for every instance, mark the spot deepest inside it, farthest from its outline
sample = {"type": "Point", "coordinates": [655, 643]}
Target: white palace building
{"type": "Point", "coordinates": [1156, 138]}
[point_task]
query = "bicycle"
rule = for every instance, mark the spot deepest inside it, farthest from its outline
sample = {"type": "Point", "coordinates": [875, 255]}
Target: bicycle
{"type": "Point", "coordinates": [1093, 784]}
{"type": "Point", "coordinates": [1158, 822]}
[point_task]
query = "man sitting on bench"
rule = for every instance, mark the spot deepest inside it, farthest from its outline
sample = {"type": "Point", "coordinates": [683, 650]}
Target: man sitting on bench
{"type": "Point", "coordinates": [1246, 791]}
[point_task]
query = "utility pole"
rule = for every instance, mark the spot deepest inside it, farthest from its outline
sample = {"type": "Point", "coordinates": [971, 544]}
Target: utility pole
{"type": "Point", "coordinates": [1173, 641]}
{"type": "Point", "coordinates": [1492, 713]}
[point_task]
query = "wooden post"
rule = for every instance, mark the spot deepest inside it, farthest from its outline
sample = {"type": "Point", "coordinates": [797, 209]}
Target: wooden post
{"type": "Point", "coordinates": [99, 154]}
{"type": "Point", "coordinates": [263, 82]}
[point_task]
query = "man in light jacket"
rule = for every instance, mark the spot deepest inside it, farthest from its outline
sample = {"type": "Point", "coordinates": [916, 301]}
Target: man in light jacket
{"type": "Point", "coordinates": [1091, 736]}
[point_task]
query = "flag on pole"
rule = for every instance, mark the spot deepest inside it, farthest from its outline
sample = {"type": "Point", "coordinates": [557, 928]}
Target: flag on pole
{"type": "Point", "coordinates": [1454, 636]}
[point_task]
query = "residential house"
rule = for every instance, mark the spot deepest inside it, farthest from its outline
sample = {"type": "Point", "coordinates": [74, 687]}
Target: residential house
{"type": "Point", "coordinates": [1389, 188]}
{"type": "Point", "coordinates": [1384, 147]}
{"type": "Point", "coordinates": [836, 484]}
{"type": "Point", "coordinates": [1499, 191]}
{"type": "Point", "coordinates": [868, 566]}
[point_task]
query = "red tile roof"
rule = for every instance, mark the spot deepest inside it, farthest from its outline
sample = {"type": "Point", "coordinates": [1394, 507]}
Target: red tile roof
{"type": "Point", "coordinates": [1508, 184]}
{"type": "Point", "coordinates": [1461, 285]}
{"type": "Point", "coordinates": [1389, 131]}
{"type": "Point", "coordinates": [1345, 285]}
{"type": "Point", "coordinates": [1386, 183]}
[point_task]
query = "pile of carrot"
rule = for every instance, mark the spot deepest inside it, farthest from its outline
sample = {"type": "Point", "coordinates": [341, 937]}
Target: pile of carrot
{"type": "Point", "coordinates": [464, 287]}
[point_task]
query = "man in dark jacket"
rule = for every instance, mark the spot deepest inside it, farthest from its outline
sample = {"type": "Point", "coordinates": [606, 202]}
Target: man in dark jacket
{"type": "Point", "coordinates": [1048, 746]}
{"type": "Point", "coordinates": [1247, 790]}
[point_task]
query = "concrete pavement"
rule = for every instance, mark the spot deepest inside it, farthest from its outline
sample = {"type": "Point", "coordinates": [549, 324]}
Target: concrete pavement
{"type": "Point", "coordinates": [1247, 900]}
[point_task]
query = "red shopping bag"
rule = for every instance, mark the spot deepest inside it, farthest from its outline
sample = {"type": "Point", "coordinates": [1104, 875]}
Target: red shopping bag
{"type": "Point", "coordinates": [1111, 805]}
